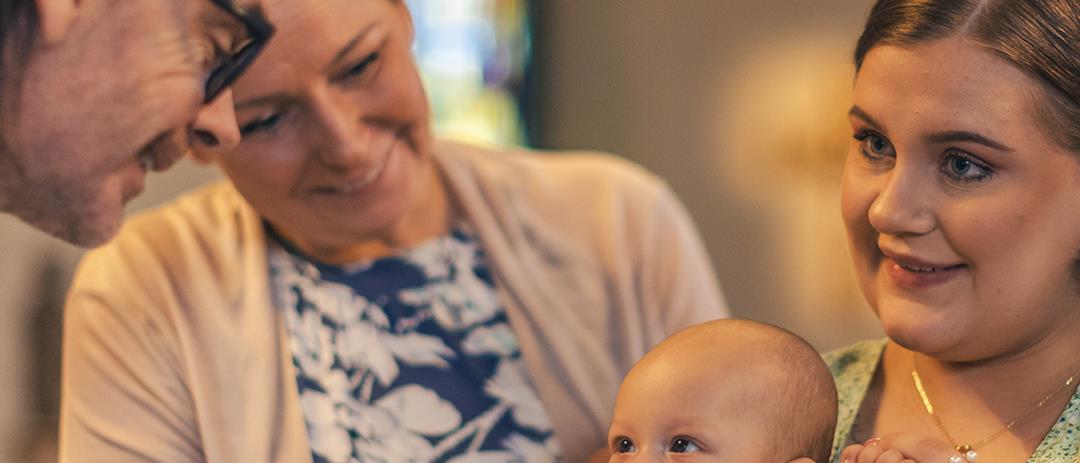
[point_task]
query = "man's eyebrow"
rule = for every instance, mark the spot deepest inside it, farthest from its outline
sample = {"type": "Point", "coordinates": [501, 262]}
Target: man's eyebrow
{"type": "Point", "coordinates": [860, 113]}
{"type": "Point", "coordinates": [344, 51]}
{"type": "Point", "coordinates": [954, 136]}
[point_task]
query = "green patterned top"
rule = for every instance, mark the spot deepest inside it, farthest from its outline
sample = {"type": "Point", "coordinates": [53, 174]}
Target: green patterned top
{"type": "Point", "coordinates": [853, 367]}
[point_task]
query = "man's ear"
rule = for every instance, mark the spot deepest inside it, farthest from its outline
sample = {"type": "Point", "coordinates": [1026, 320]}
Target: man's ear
{"type": "Point", "coordinates": [55, 17]}
{"type": "Point", "coordinates": [802, 460]}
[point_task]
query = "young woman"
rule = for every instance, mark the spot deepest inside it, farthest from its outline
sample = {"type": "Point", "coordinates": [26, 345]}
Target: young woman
{"type": "Point", "coordinates": [960, 198]}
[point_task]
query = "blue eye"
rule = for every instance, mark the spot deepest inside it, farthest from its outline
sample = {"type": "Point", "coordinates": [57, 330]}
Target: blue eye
{"type": "Point", "coordinates": [624, 445]}
{"type": "Point", "coordinates": [683, 445]}
{"type": "Point", "coordinates": [962, 167]}
{"type": "Point", "coordinates": [874, 146]}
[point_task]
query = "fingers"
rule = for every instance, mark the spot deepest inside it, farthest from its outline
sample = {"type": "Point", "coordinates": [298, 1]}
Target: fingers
{"type": "Point", "coordinates": [850, 454]}
{"type": "Point", "coordinates": [868, 453]}
{"type": "Point", "coordinates": [921, 449]}
{"type": "Point", "coordinates": [892, 456]}
{"type": "Point", "coordinates": [900, 448]}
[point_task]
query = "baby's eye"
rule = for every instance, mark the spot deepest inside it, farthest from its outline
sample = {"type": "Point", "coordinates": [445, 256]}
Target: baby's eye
{"type": "Point", "coordinates": [624, 445]}
{"type": "Point", "coordinates": [683, 445]}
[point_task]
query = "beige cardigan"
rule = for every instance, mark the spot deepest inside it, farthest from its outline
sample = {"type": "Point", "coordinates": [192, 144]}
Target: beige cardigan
{"type": "Point", "coordinates": [173, 351]}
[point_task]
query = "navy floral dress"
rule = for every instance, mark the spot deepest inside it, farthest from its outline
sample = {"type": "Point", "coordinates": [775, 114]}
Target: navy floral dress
{"type": "Point", "coordinates": [408, 358]}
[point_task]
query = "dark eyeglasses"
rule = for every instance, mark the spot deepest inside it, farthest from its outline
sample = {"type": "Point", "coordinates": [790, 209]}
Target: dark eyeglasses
{"type": "Point", "coordinates": [231, 67]}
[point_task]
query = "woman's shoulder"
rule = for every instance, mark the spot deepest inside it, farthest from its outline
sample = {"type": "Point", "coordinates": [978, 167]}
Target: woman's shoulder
{"type": "Point", "coordinates": [208, 228]}
{"type": "Point", "coordinates": [541, 169]}
{"type": "Point", "coordinates": [853, 368]}
{"type": "Point", "coordinates": [858, 360]}
{"type": "Point", "coordinates": [206, 205]}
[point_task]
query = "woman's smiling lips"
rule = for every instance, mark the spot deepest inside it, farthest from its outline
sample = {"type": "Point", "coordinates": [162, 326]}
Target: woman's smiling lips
{"type": "Point", "coordinates": [914, 273]}
{"type": "Point", "coordinates": [358, 184]}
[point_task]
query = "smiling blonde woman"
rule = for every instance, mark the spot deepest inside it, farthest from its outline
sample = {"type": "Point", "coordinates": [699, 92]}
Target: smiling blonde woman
{"type": "Point", "coordinates": [361, 292]}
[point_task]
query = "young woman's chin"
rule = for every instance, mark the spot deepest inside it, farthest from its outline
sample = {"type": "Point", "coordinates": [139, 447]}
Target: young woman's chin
{"type": "Point", "coordinates": [924, 331]}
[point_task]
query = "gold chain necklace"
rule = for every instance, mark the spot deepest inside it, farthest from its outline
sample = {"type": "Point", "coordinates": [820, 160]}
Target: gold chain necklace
{"type": "Point", "coordinates": [968, 450]}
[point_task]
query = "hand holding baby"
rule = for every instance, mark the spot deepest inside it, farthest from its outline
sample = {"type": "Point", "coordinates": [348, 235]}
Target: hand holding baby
{"type": "Point", "coordinates": [902, 448]}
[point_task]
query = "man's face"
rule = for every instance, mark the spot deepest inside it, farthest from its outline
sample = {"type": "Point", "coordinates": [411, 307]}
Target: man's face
{"type": "Point", "coordinates": [119, 94]}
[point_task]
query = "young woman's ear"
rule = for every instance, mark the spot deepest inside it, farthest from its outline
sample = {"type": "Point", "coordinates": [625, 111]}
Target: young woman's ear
{"type": "Point", "coordinates": [55, 17]}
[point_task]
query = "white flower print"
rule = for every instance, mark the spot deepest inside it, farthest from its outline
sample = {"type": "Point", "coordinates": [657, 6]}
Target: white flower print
{"type": "Point", "coordinates": [359, 346]}
{"type": "Point", "coordinates": [510, 386]}
{"type": "Point", "coordinates": [532, 451]}
{"type": "Point", "coordinates": [378, 366]}
{"type": "Point", "coordinates": [383, 438]}
{"type": "Point", "coordinates": [421, 410]}
{"type": "Point", "coordinates": [399, 446]}
{"type": "Point", "coordinates": [419, 349]}
{"type": "Point", "coordinates": [490, 456]}
{"type": "Point", "coordinates": [457, 305]}
{"type": "Point", "coordinates": [313, 349]}
{"type": "Point", "coordinates": [498, 340]}
{"type": "Point", "coordinates": [327, 436]}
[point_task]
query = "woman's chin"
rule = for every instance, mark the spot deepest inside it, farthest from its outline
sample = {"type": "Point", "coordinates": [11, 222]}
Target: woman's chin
{"type": "Point", "coordinates": [926, 336]}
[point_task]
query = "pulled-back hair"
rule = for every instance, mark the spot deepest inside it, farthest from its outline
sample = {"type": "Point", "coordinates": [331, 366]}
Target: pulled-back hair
{"type": "Point", "coordinates": [1040, 37]}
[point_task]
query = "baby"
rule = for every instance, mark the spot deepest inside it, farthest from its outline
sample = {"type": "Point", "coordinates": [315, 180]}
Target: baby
{"type": "Point", "coordinates": [726, 391]}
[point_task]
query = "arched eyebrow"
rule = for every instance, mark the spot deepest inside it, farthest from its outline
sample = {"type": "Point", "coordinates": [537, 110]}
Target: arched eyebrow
{"type": "Point", "coordinates": [344, 51]}
{"type": "Point", "coordinates": [949, 136]}
{"type": "Point", "coordinates": [954, 136]}
{"type": "Point", "coordinates": [860, 113]}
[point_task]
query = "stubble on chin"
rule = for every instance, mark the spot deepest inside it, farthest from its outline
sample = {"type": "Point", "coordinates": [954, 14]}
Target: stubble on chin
{"type": "Point", "coordinates": [77, 217]}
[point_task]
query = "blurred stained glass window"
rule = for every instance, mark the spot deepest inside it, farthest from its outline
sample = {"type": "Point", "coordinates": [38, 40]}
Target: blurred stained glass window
{"type": "Point", "coordinates": [473, 56]}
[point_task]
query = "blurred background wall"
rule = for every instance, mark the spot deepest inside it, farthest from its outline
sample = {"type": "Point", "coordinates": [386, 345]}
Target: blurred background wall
{"type": "Point", "coordinates": [739, 104]}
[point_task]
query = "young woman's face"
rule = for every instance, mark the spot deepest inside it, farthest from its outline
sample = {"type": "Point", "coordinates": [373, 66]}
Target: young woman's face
{"type": "Point", "coordinates": [963, 215]}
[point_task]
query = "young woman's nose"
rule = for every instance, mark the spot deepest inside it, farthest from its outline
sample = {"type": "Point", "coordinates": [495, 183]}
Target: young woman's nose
{"type": "Point", "coordinates": [900, 206]}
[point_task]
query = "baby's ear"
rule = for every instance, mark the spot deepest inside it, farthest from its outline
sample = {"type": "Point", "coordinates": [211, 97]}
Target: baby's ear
{"type": "Point", "coordinates": [801, 460]}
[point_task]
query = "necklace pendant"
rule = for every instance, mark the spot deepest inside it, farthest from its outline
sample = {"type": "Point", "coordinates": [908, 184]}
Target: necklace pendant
{"type": "Point", "coordinates": [963, 448]}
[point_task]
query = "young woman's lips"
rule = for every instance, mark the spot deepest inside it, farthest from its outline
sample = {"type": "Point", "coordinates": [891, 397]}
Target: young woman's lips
{"type": "Point", "coordinates": [914, 274]}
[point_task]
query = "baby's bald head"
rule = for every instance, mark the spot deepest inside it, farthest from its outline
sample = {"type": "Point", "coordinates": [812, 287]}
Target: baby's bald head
{"type": "Point", "coordinates": [769, 383]}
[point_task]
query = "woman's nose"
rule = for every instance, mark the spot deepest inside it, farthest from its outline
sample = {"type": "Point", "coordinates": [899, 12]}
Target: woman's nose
{"type": "Point", "coordinates": [345, 137]}
{"type": "Point", "coordinates": [901, 205]}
